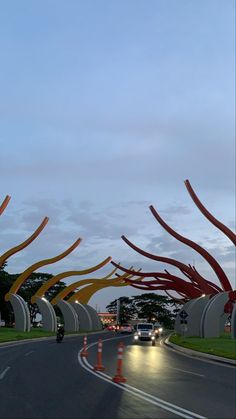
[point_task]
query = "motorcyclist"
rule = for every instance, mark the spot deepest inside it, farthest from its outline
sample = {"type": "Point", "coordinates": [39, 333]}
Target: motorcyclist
{"type": "Point", "coordinates": [60, 332]}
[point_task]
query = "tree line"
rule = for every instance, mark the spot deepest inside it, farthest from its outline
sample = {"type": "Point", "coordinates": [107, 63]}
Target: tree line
{"type": "Point", "coordinates": [150, 306]}
{"type": "Point", "coordinates": [26, 291]}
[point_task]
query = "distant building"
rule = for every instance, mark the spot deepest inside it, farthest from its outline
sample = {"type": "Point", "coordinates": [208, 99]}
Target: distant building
{"type": "Point", "coordinates": [107, 318]}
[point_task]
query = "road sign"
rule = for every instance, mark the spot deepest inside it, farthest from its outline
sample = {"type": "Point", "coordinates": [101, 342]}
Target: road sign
{"type": "Point", "coordinates": [183, 314]}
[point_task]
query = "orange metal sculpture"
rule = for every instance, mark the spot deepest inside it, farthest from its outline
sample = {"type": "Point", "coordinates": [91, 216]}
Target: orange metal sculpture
{"type": "Point", "coordinates": [66, 291]}
{"type": "Point", "coordinates": [4, 204]}
{"type": "Point", "coordinates": [24, 244]}
{"type": "Point", "coordinates": [25, 275]}
{"type": "Point", "coordinates": [44, 288]}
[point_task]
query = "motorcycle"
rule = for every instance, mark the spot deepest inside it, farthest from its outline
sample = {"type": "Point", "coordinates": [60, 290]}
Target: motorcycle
{"type": "Point", "coordinates": [60, 336]}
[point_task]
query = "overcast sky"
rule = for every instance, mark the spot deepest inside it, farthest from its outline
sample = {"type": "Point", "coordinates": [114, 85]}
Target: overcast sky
{"type": "Point", "coordinates": [107, 107]}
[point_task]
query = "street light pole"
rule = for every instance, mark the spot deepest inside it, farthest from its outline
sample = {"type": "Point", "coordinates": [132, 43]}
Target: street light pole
{"type": "Point", "coordinates": [118, 312]}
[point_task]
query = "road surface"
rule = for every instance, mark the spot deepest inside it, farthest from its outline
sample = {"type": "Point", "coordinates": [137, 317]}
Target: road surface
{"type": "Point", "coordinates": [43, 379]}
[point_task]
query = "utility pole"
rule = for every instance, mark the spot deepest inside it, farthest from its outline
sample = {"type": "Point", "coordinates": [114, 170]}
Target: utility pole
{"type": "Point", "coordinates": [118, 312]}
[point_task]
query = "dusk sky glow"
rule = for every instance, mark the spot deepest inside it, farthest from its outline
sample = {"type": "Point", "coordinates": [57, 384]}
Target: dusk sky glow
{"type": "Point", "coordinates": [106, 108]}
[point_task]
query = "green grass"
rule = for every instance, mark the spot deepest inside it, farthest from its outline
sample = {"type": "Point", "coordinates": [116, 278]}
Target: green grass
{"type": "Point", "coordinates": [10, 334]}
{"type": "Point", "coordinates": [223, 346]}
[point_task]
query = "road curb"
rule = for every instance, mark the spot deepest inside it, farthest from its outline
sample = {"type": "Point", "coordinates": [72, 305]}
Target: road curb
{"type": "Point", "coordinates": [43, 338]}
{"type": "Point", "coordinates": [198, 354]}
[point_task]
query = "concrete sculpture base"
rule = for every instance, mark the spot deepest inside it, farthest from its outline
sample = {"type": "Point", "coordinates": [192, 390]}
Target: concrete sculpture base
{"type": "Point", "coordinates": [213, 317]}
{"type": "Point", "coordinates": [195, 311]}
{"type": "Point", "coordinates": [96, 322]}
{"type": "Point", "coordinates": [49, 318]}
{"type": "Point", "coordinates": [71, 322]}
{"type": "Point", "coordinates": [178, 325]}
{"type": "Point", "coordinates": [233, 322]}
{"type": "Point", "coordinates": [85, 322]}
{"type": "Point", "coordinates": [21, 313]}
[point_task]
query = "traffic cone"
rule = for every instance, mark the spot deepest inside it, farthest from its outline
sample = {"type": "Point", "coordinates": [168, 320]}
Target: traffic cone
{"type": "Point", "coordinates": [118, 378]}
{"type": "Point", "coordinates": [84, 351]}
{"type": "Point", "coordinates": [99, 366]}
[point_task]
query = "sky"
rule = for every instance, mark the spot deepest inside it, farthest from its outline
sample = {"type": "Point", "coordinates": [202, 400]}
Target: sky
{"type": "Point", "coordinates": [106, 107]}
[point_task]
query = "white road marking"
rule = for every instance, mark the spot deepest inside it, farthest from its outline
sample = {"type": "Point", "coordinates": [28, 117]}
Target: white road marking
{"type": "Point", "coordinates": [28, 353]}
{"type": "Point", "coordinates": [187, 372]}
{"type": "Point", "coordinates": [179, 411]}
{"type": "Point", "coordinates": [4, 373]}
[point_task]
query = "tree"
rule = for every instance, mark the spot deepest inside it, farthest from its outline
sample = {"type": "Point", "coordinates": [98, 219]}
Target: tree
{"type": "Point", "coordinates": [151, 307]}
{"type": "Point", "coordinates": [127, 310]}
{"type": "Point", "coordinates": [154, 307]}
{"type": "Point", "coordinates": [26, 291]}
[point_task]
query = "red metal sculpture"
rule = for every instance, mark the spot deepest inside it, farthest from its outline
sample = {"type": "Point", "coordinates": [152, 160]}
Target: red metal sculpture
{"type": "Point", "coordinates": [229, 233]}
{"type": "Point", "coordinates": [195, 285]}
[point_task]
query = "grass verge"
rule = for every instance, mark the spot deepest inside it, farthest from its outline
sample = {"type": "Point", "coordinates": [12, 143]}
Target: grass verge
{"type": "Point", "coordinates": [223, 346]}
{"type": "Point", "coordinates": [10, 334]}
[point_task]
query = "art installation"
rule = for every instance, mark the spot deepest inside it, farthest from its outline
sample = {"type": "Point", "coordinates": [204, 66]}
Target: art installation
{"type": "Point", "coordinates": [206, 306]}
{"type": "Point", "coordinates": [20, 307]}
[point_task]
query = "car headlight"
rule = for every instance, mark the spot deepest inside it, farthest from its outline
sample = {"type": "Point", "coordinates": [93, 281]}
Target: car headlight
{"type": "Point", "coordinates": [135, 337]}
{"type": "Point", "coordinates": [139, 333]}
{"type": "Point", "coordinates": [153, 337]}
{"type": "Point", "coordinates": [160, 329]}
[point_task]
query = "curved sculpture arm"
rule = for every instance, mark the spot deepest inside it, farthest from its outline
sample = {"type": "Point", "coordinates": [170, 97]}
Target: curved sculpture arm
{"type": "Point", "coordinates": [205, 287]}
{"type": "Point", "coordinates": [177, 285]}
{"type": "Point", "coordinates": [22, 245]}
{"type": "Point", "coordinates": [84, 295]}
{"type": "Point", "coordinates": [66, 291]}
{"type": "Point", "coordinates": [4, 204]}
{"type": "Point", "coordinates": [160, 288]}
{"type": "Point", "coordinates": [229, 233]}
{"type": "Point", "coordinates": [173, 278]}
{"type": "Point", "coordinates": [25, 275]}
{"type": "Point", "coordinates": [111, 273]}
{"type": "Point", "coordinates": [216, 287]}
{"type": "Point", "coordinates": [52, 281]}
{"type": "Point", "coordinates": [206, 255]}
{"type": "Point", "coordinates": [177, 300]}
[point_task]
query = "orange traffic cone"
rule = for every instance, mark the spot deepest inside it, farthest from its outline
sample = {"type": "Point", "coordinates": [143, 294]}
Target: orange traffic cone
{"type": "Point", "coordinates": [118, 378]}
{"type": "Point", "coordinates": [99, 366]}
{"type": "Point", "coordinates": [84, 351]}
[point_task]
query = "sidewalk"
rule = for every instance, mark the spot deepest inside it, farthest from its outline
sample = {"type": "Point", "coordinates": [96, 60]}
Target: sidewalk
{"type": "Point", "coordinates": [197, 354]}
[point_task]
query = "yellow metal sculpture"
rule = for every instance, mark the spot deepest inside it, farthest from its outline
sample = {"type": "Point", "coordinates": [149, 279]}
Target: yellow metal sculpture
{"type": "Point", "coordinates": [97, 283]}
{"type": "Point", "coordinates": [66, 291]}
{"type": "Point", "coordinates": [25, 275]}
{"type": "Point", "coordinates": [44, 288]}
{"type": "Point", "coordinates": [84, 294]}
{"type": "Point", "coordinates": [4, 204]}
{"type": "Point", "coordinates": [22, 245]}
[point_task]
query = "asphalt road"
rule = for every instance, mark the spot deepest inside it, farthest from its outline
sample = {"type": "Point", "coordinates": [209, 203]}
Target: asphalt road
{"type": "Point", "coordinates": [43, 379]}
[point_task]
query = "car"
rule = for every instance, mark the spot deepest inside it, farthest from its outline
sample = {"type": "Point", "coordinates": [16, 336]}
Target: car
{"type": "Point", "coordinates": [158, 329]}
{"type": "Point", "coordinates": [111, 327]}
{"type": "Point", "coordinates": [144, 331]}
{"type": "Point", "coordinates": [126, 328]}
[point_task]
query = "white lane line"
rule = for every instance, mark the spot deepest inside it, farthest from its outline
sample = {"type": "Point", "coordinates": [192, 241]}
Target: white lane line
{"type": "Point", "coordinates": [28, 353]}
{"type": "Point", "coordinates": [184, 413]}
{"type": "Point", "coordinates": [187, 372]}
{"type": "Point", "coordinates": [4, 373]}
